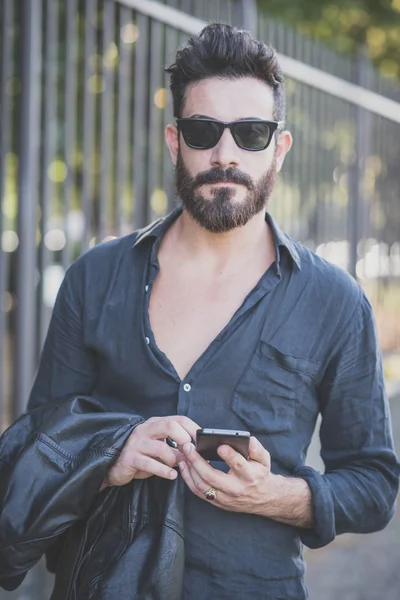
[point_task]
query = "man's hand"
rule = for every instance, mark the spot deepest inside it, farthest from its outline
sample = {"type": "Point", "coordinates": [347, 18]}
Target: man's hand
{"type": "Point", "coordinates": [146, 452]}
{"type": "Point", "coordinates": [243, 489]}
{"type": "Point", "coordinates": [249, 486]}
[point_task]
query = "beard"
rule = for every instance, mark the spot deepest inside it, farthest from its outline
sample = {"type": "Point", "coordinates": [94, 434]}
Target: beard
{"type": "Point", "coordinates": [222, 213]}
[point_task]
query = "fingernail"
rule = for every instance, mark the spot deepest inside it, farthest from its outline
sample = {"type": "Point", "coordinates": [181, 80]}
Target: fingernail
{"type": "Point", "coordinates": [223, 452]}
{"type": "Point", "coordinates": [173, 474]}
{"type": "Point", "coordinates": [182, 466]}
{"type": "Point", "coordinates": [187, 448]}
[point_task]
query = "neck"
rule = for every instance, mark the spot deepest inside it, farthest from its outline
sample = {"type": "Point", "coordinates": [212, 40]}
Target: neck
{"type": "Point", "coordinates": [222, 251]}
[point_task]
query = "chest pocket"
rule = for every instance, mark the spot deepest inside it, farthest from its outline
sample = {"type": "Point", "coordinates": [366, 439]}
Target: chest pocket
{"type": "Point", "coordinates": [275, 391]}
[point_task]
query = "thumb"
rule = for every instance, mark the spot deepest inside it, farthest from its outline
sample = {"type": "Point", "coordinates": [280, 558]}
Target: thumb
{"type": "Point", "coordinates": [258, 453]}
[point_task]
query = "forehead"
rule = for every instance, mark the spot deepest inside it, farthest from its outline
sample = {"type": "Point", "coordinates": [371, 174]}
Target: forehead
{"type": "Point", "coordinates": [229, 99]}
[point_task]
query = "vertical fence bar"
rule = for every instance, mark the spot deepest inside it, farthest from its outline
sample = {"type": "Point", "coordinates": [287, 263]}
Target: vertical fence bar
{"type": "Point", "coordinates": [107, 121]}
{"type": "Point", "coordinates": [249, 16]}
{"type": "Point", "coordinates": [70, 120]}
{"type": "Point", "coordinates": [49, 144]}
{"type": "Point", "coordinates": [29, 120]}
{"type": "Point", "coordinates": [356, 173]}
{"type": "Point", "coordinates": [123, 118]}
{"type": "Point", "coordinates": [171, 42]}
{"type": "Point", "coordinates": [6, 53]}
{"type": "Point", "coordinates": [154, 149]}
{"type": "Point", "coordinates": [322, 170]}
{"type": "Point", "coordinates": [140, 142]}
{"type": "Point", "coordinates": [311, 156]}
{"type": "Point", "coordinates": [89, 107]}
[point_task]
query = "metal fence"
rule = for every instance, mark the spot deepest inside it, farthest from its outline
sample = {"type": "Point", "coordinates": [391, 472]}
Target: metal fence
{"type": "Point", "coordinates": [83, 107]}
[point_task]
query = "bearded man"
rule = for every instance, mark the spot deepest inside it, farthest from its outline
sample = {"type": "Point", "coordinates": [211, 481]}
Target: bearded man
{"type": "Point", "coordinates": [213, 317]}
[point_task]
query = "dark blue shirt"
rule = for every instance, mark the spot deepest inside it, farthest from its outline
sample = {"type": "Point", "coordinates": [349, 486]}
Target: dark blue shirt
{"type": "Point", "coordinates": [302, 343]}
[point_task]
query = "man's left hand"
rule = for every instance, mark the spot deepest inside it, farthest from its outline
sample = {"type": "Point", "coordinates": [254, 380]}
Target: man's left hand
{"type": "Point", "coordinates": [248, 485]}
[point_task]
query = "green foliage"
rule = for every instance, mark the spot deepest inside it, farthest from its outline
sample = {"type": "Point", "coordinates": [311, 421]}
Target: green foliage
{"type": "Point", "coordinates": [348, 25]}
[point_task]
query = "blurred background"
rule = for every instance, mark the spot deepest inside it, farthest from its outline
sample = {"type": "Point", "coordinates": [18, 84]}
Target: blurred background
{"type": "Point", "coordinates": [84, 103]}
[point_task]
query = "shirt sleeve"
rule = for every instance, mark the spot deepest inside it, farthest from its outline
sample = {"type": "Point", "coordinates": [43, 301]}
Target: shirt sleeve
{"type": "Point", "coordinates": [67, 367]}
{"type": "Point", "coordinates": [358, 490]}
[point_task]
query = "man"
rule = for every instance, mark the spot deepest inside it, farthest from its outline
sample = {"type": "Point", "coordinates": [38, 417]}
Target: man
{"type": "Point", "coordinates": [212, 317]}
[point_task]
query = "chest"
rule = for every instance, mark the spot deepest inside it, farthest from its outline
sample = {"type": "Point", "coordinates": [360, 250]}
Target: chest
{"type": "Point", "coordinates": [186, 315]}
{"type": "Point", "coordinates": [255, 376]}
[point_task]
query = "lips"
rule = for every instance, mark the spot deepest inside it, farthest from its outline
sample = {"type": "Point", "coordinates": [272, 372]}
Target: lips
{"type": "Point", "coordinates": [222, 183]}
{"type": "Point", "coordinates": [225, 183]}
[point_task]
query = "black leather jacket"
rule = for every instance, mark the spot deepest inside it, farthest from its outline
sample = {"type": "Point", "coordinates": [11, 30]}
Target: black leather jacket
{"type": "Point", "coordinates": [123, 543]}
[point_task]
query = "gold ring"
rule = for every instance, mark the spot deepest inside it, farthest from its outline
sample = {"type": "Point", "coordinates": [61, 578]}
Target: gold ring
{"type": "Point", "coordinates": [211, 494]}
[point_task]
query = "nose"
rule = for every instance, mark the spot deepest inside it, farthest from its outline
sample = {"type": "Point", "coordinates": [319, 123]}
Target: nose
{"type": "Point", "coordinates": [226, 152]}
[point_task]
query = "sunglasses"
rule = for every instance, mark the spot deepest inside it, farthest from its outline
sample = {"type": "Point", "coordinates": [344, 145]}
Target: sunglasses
{"type": "Point", "coordinates": [250, 134]}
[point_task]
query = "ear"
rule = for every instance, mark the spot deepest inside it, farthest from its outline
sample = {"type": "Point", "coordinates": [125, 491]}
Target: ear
{"type": "Point", "coordinates": [283, 146]}
{"type": "Point", "coordinates": [172, 139]}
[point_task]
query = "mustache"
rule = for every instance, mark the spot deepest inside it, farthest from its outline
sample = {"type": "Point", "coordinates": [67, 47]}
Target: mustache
{"type": "Point", "coordinates": [217, 175]}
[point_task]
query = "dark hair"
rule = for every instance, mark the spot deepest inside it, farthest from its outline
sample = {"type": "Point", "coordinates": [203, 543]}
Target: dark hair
{"type": "Point", "coordinates": [221, 50]}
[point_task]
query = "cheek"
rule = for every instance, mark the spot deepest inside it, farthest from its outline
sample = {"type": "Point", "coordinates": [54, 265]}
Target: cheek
{"type": "Point", "coordinates": [196, 161]}
{"type": "Point", "coordinates": [267, 160]}
{"type": "Point", "coordinates": [257, 168]}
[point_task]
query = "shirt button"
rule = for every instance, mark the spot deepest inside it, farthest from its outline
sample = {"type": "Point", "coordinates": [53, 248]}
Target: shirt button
{"type": "Point", "coordinates": [147, 340]}
{"type": "Point", "coordinates": [187, 387]}
{"type": "Point", "coordinates": [146, 289]}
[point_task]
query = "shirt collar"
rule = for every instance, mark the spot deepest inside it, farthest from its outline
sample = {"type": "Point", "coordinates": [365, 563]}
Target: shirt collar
{"type": "Point", "coordinates": [281, 239]}
{"type": "Point", "coordinates": [157, 229]}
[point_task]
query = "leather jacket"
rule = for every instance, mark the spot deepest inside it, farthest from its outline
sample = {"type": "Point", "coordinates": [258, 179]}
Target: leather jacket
{"type": "Point", "coordinates": [123, 543]}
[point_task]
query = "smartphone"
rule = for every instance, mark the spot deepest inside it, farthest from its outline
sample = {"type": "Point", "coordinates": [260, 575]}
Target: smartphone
{"type": "Point", "coordinates": [208, 440]}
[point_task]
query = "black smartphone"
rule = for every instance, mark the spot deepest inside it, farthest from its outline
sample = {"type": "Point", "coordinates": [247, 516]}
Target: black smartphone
{"type": "Point", "coordinates": [208, 440]}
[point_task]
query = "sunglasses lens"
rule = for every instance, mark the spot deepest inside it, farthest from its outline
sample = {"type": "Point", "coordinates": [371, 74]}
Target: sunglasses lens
{"type": "Point", "coordinates": [200, 134]}
{"type": "Point", "coordinates": [252, 135]}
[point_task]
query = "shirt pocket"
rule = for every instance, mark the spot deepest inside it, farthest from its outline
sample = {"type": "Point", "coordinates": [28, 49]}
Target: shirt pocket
{"type": "Point", "coordinates": [273, 387]}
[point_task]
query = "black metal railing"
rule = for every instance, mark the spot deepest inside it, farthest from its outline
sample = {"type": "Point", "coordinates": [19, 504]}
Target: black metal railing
{"type": "Point", "coordinates": [84, 105]}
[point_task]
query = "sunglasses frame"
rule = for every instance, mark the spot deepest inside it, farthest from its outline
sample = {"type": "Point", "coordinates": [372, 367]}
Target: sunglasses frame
{"type": "Point", "coordinates": [273, 126]}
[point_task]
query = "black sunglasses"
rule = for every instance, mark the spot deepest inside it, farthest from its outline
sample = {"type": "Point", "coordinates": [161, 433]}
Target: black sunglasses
{"type": "Point", "coordinates": [250, 134]}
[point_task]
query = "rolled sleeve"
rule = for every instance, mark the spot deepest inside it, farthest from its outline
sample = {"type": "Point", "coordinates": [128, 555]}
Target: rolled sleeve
{"type": "Point", "coordinates": [323, 509]}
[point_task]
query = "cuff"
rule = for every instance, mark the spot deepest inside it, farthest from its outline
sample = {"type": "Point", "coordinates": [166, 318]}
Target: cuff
{"type": "Point", "coordinates": [323, 509]}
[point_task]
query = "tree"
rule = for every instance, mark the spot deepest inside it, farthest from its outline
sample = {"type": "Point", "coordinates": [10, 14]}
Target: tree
{"type": "Point", "coordinates": [348, 25]}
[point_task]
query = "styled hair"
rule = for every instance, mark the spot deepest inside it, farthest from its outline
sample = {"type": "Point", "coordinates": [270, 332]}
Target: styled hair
{"type": "Point", "coordinates": [221, 50]}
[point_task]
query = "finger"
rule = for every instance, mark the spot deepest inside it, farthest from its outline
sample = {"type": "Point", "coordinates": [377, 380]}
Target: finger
{"type": "Point", "coordinates": [168, 427]}
{"type": "Point", "coordinates": [237, 463]}
{"type": "Point", "coordinates": [212, 477]}
{"type": "Point", "coordinates": [194, 483]}
{"type": "Point", "coordinates": [222, 499]}
{"type": "Point", "coordinates": [160, 451]}
{"type": "Point", "coordinates": [154, 467]}
{"type": "Point", "coordinates": [179, 456]}
{"type": "Point", "coordinates": [188, 425]}
{"type": "Point", "coordinates": [258, 453]}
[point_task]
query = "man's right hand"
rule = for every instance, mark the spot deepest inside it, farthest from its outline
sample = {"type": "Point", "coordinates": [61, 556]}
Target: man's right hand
{"type": "Point", "coordinates": [146, 452]}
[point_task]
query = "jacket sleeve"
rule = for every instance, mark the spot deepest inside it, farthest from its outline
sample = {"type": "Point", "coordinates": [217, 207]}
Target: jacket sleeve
{"type": "Point", "coordinates": [357, 493]}
{"type": "Point", "coordinates": [53, 461]}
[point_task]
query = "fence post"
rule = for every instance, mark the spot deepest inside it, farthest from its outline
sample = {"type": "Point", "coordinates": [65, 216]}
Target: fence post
{"type": "Point", "coordinates": [5, 67]}
{"type": "Point", "coordinates": [29, 135]}
{"type": "Point", "coordinates": [357, 203]}
{"type": "Point", "coordinates": [245, 15]}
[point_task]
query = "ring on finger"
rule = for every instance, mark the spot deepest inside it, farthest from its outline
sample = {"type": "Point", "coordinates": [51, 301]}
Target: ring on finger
{"type": "Point", "coordinates": [211, 493]}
